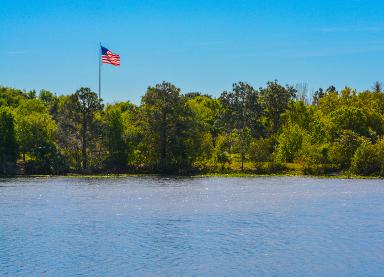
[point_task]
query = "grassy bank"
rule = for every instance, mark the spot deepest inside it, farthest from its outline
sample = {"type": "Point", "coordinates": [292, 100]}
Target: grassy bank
{"type": "Point", "coordinates": [232, 170]}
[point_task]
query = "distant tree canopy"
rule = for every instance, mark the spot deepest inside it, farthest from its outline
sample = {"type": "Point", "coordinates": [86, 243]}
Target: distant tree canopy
{"type": "Point", "coordinates": [244, 129]}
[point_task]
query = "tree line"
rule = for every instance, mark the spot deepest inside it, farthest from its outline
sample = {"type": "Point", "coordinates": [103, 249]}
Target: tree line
{"type": "Point", "coordinates": [272, 129]}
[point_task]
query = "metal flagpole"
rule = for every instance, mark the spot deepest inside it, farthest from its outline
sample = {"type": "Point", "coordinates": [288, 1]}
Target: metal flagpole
{"type": "Point", "coordinates": [100, 53]}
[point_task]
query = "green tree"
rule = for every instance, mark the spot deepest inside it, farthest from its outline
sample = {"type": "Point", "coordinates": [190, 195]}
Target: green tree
{"type": "Point", "coordinates": [317, 96]}
{"type": "Point", "coordinates": [290, 142]}
{"type": "Point", "coordinates": [80, 127]}
{"type": "Point", "coordinates": [120, 134]}
{"type": "Point", "coordinates": [350, 118]}
{"type": "Point", "coordinates": [343, 148]}
{"type": "Point", "coordinates": [11, 97]}
{"type": "Point", "coordinates": [220, 152]}
{"type": "Point", "coordinates": [366, 160]}
{"type": "Point", "coordinates": [8, 145]}
{"type": "Point", "coordinates": [377, 87]}
{"type": "Point", "coordinates": [36, 134]}
{"type": "Point", "coordinates": [261, 150]}
{"type": "Point", "coordinates": [89, 104]}
{"type": "Point", "coordinates": [205, 111]}
{"type": "Point", "coordinates": [115, 141]}
{"type": "Point", "coordinates": [46, 96]}
{"type": "Point", "coordinates": [329, 102]}
{"type": "Point", "coordinates": [35, 127]}
{"type": "Point", "coordinates": [299, 113]}
{"type": "Point", "coordinates": [170, 131]}
{"type": "Point", "coordinates": [275, 99]}
{"type": "Point", "coordinates": [241, 111]}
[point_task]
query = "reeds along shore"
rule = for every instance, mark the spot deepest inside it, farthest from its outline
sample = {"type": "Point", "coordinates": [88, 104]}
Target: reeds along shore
{"type": "Point", "coordinates": [275, 129]}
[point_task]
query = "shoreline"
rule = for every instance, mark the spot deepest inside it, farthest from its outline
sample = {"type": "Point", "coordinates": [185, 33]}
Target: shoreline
{"type": "Point", "coordinates": [209, 175]}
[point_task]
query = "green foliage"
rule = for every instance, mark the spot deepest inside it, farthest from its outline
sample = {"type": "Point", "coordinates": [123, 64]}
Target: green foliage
{"type": "Point", "coordinates": [34, 130]}
{"type": "Point", "coordinates": [206, 111]}
{"type": "Point", "coordinates": [8, 145]}
{"type": "Point", "coordinates": [329, 102]}
{"type": "Point", "coordinates": [350, 118]}
{"type": "Point", "coordinates": [297, 112]}
{"type": "Point", "coordinates": [314, 159]}
{"type": "Point", "coordinates": [10, 97]}
{"type": "Point", "coordinates": [343, 148]}
{"type": "Point", "coordinates": [367, 160]}
{"type": "Point", "coordinates": [222, 147]}
{"type": "Point", "coordinates": [263, 131]}
{"type": "Point", "coordinates": [316, 154]}
{"type": "Point", "coordinates": [290, 142]}
{"type": "Point", "coordinates": [241, 108]}
{"type": "Point", "coordinates": [206, 148]}
{"type": "Point", "coordinates": [80, 129]}
{"type": "Point", "coordinates": [267, 168]}
{"type": "Point", "coordinates": [169, 129]}
{"type": "Point", "coordinates": [36, 134]}
{"type": "Point", "coordinates": [120, 135]}
{"type": "Point", "coordinates": [261, 150]}
{"type": "Point", "coordinates": [275, 99]}
{"type": "Point", "coordinates": [47, 97]}
{"type": "Point", "coordinates": [47, 160]}
{"type": "Point", "coordinates": [241, 112]}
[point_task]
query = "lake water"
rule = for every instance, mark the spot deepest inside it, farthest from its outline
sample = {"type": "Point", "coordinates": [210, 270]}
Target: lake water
{"type": "Point", "coordinates": [149, 226]}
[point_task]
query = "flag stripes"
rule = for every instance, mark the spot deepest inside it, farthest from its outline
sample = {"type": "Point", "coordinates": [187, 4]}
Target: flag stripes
{"type": "Point", "coordinates": [109, 58]}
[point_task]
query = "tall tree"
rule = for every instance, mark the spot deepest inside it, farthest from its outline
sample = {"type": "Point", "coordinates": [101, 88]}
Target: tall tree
{"type": "Point", "coordinates": [89, 104]}
{"type": "Point", "coordinates": [317, 96]}
{"type": "Point", "coordinates": [377, 87]}
{"type": "Point", "coordinates": [8, 145]}
{"type": "Point", "coordinates": [275, 99]}
{"type": "Point", "coordinates": [332, 89]}
{"type": "Point", "coordinates": [78, 125]}
{"type": "Point", "coordinates": [169, 128]}
{"type": "Point", "coordinates": [241, 111]}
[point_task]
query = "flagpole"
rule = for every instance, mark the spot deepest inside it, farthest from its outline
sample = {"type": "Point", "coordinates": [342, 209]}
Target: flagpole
{"type": "Point", "coordinates": [100, 71]}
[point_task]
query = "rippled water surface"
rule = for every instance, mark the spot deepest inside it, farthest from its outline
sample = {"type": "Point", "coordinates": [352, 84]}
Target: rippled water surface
{"type": "Point", "coordinates": [148, 226]}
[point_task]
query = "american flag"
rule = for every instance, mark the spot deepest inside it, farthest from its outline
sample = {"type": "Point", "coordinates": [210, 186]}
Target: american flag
{"type": "Point", "coordinates": [108, 57]}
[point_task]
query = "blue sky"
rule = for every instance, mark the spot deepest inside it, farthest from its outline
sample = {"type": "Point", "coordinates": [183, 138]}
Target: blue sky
{"type": "Point", "coordinates": [198, 45]}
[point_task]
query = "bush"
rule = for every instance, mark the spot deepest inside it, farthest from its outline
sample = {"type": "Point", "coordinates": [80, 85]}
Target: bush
{"type": "Point", "coordinates": [343, 149]}
{"type": "Point", "coordinates": [47, 161]}
{"type": "Point", "coordinates": [290, 143]}
{"type": "Point", "coordinates": [319, 169]}
{"type": "Point", "coordinates": [261, 150]}
{"type": "Point", "coordinates": [269, 168]}
{"type": "Point", "coordinates": [313, 154]}
{"type": "Point", "coordinates": [368, 159]}
{"type": "Point", "coordinates": [314, 160]}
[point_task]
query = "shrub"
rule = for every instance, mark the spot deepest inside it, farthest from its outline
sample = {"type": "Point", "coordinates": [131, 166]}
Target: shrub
{"type": "Point", "coordinates": [343, 149]}
{"type": "Point", "coordinates": [366, 160]}
{"type": "Point", "coordinates": [261, 150]}
{"type": "Point", "coordinates": [269, 168]}
{"type": "Point", "coordinates": [290, 143]}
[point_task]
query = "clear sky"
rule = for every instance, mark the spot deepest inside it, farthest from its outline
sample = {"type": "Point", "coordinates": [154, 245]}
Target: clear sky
{"type": "Point", "coordinates": [200, 45]}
